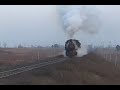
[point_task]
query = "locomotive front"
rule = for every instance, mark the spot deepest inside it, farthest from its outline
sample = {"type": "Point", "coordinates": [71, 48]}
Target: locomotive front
{"type": "Point", "coordinates": [71, 47]}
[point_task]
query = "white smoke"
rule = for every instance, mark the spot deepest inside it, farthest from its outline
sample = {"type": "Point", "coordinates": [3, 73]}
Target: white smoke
{"type": "Point", "coordinates": [63, 53]}
{"type": "Point", "coordinates": [80, 18]}
{"type": "Point", "coordinates": [82, 51]}
{"type": "Point", "coordinates": [85, 18]}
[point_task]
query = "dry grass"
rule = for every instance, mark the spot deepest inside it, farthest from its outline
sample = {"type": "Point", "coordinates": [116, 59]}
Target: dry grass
{"type": "Point", "coordinates": [88, 70]}
{"type": "Point", "coordinates": [109, 54]}
{"type": "Point", "coordinates": [10, 57]}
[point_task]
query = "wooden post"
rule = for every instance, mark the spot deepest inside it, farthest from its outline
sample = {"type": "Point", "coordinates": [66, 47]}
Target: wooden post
{"type": "Point", "coordinates": [110, 56]}
{"type": "Point", "coordinates": [116, 60]}
{"type": "Point", "coordinates": [104, 55]}
{"type": "Point", "coordinates": [53, 52]}
{"type": "Point", "coordinates": [38, 55]}
{"type": "Point", "coordinates": [107, 55]}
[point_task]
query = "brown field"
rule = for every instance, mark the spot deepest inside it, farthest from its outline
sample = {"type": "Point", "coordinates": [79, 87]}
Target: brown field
{"type": "Point", "coordinates": [88, 70]}
{"type": "Point", "coordinates": [101, 67]}
{"type": "Point", "coordinates": [10, 57]}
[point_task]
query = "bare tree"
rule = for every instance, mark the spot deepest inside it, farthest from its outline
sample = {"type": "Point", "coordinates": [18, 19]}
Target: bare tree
{"type": "Point", "coordinates": [117, 47]}
{"type": "Point", "coordinates": [20, 46]}
{"type": "Point", "coordinates": [0, 45]}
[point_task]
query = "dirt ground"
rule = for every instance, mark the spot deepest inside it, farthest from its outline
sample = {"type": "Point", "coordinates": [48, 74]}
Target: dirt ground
{"type": "Point", "coordinates": [88, 70]}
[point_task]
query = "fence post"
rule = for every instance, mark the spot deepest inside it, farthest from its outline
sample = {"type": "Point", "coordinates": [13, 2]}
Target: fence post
{"type": "Point", "coordinates": [53, 51]}
{"type": "Point", "coordinates": [38, 55]}
{"type": "Point", "coordinates": [110, 56]}
{"type": "Point", "coordinates": [116, 60]}
{"type": "Point", "coordinates": [104, 55]}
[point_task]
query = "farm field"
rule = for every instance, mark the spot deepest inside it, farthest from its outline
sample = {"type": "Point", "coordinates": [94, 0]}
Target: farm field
{"type": "Point", "coordinates": [17, 57]}
{"type": "Point", "coordinates": [90, 69]}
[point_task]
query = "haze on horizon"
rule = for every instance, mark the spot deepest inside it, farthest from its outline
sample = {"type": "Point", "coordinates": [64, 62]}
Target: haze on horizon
{"type": "Point", "coordinates": [39, 25]}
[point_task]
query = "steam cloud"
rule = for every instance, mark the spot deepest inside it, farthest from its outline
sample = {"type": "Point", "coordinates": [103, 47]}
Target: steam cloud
{"type": "Point", "coordinates": [76, 18]}
{"type": "Point", "coordinates": [80, 18]}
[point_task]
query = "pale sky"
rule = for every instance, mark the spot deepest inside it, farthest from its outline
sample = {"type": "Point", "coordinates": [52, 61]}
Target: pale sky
{"type": "Point", "coordinates": [39, 25]}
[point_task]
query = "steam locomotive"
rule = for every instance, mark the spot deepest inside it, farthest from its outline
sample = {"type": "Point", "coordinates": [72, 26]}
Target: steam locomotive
{"type": "Point", "coordinates": [71, 47]}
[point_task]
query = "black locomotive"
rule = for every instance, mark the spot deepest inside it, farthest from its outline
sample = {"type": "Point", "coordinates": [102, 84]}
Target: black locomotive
{"type": "Point", "coordinates": [71, 47]}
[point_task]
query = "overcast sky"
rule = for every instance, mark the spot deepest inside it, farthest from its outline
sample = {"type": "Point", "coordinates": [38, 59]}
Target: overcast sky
{"type": "Point", "coordinates": [39, 24]}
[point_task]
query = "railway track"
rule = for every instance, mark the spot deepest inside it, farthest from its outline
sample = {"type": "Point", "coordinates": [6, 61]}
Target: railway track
{"type": "Point", "coordinates": [27, 68]}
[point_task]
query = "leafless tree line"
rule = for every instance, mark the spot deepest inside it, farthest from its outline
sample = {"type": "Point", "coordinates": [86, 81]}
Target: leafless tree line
{"type": "Point", "coordinates": [5, 45]}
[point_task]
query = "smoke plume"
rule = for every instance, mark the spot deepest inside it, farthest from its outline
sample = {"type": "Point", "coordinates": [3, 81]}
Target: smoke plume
{"type": "Point", "coordinates": [85, 18]}
{"type": "Point", "coordinates": [80, 18]}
